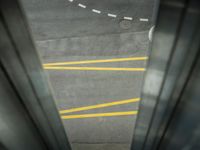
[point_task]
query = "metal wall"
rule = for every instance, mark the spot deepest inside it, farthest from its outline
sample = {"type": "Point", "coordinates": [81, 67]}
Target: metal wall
{"type": "Point", "coordinates": [28, 116]}
{"type": "Point", "coordinates": [175, 51]}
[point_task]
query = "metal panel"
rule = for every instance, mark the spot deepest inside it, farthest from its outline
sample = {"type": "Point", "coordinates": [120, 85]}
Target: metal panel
{"type": "Point", "coordinates": [21, 62]}
{"type": "Point", "coordinates": [175, 38]}
{"type": "Point", "coordinates": [183, 130]}
{"type": "Point", "coordinates": [17, 131]}
{"type": "Point", "coordinates": [162, 45]}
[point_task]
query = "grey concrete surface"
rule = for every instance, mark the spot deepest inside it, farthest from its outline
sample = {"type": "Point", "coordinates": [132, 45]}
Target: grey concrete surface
{"type": "Point", "coordinates": [52, 19]}
{"type": "Point", "coordinates": [110, 45]}
{"type": "Point", "coordinates": [82, 88]}
{"type": "Point", "coordinates": [77, 146]}
{"type": "Point", "coordinates": [65, 32]}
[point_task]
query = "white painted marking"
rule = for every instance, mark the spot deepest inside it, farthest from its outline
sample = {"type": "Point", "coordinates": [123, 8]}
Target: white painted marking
{"type": "Point", "coordinates": [144, 19]}
{"type": "Point", "coordinates": [96, 11]}
{"type": "Point", "coordinates": [81, 5]}
{"type": "Point", "coordinates": [128, 18]}
{"type": "Point", "coordinates": [112, 15]}
{"type": "Point", "coordinates": [150, 35]}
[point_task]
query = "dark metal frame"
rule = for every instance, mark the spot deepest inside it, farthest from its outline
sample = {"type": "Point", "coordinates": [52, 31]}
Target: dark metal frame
{"type": "Point", "coordinates": [21, 67]}
{"type": "Point", "coordinates": [174, 50]}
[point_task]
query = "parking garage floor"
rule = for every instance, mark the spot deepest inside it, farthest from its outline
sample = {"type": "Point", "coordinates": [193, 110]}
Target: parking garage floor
{"type": "Point", "coordinates": [95, 54]}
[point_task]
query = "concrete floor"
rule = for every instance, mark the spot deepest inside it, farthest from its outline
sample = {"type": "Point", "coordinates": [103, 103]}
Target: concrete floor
{"type": "Point", "coordinates": [82, 88]}
{"type": "Point", "coordinates": [56, 19]}
{"type": "Point", "coordinates": [76, 146]}
{"type": "Point", "coordinates": [63, 31]}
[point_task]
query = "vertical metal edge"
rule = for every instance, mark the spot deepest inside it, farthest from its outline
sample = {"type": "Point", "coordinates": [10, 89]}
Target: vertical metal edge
{"type": "Point", "coordinates": [24, 68]}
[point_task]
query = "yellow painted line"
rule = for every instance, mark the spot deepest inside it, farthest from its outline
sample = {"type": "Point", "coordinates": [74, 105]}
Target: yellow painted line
{"type": "Point", "coordinates": [94, 68]}
{"type": "Point", "coordinates": [96, 61]}
{"type": "Point", "coordinates": [99, 105]}
{"type": "Point", "coordinates": [111, 114]}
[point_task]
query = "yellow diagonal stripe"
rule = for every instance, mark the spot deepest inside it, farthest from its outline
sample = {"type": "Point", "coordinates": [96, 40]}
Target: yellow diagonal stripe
{"type": "Point", "coordinates": [111, 114]}
{"type": "Point", "coordinates": [94, 68]}
{"type": "Point", "coordinates": [99, 105]}
{"type": "Point", "coordinates": [96, 61]}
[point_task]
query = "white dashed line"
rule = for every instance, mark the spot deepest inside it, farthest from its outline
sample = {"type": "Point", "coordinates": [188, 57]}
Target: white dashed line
{"type": "Point", "coordinates": [81, 5]}
{"type": "Point", "coordinates": [112, 15]}
{"type": "Point", "coordinates": [96, 11]}
{"type": "Point", "coordinates": [144, 19]}
{"type": "Point", "coordinates": [128, 18]}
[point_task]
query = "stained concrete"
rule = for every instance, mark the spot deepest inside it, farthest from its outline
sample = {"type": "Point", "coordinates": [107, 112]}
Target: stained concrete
{"type": "Point", "coordinates": [65, 32]}
{"type": "Point", "coordinates": [77, 146]}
